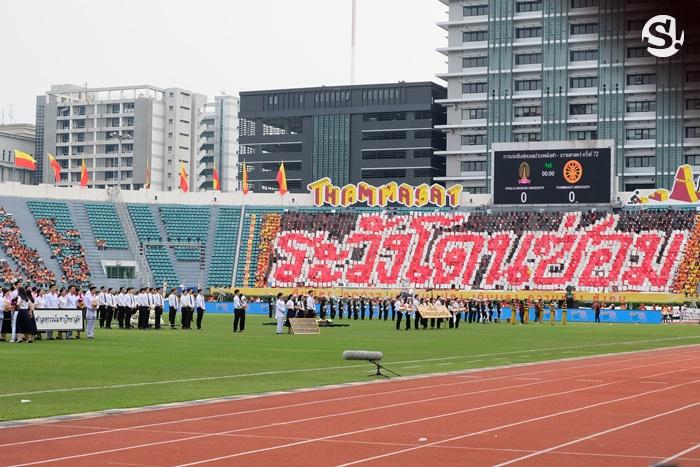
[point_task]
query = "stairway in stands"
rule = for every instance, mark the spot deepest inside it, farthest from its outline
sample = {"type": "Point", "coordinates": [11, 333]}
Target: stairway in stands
{"type": "Point", "coordinates": [30, 232]}
{"type": "Point", "coordinates": [87, 240]}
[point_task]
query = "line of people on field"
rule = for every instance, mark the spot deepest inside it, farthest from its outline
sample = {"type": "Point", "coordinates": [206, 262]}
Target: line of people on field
{"type": "Point", "coordinates": [404, 308]}
{"type": "Point", "coordinates": [102, 306]}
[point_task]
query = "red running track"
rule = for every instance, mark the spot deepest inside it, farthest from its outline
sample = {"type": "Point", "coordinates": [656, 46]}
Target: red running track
{"type": "Point", "coordinates": [628, 409]}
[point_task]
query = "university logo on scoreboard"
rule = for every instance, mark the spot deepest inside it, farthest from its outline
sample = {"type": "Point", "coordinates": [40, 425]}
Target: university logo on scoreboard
{"type": "Point", "coordinates": [325, 193]}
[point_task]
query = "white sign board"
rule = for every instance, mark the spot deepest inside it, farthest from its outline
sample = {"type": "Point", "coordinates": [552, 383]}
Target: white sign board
{"type": "Point", "coordinates": [59, 320]}
{"type": "Point", "coordinates": [690, 315]}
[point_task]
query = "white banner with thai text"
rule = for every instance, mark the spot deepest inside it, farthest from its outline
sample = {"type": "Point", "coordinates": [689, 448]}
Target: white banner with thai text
{"type": "Point", "coordinates": [59, 320]}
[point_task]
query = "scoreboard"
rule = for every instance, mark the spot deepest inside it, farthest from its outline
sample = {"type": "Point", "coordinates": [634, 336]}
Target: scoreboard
{"type": "Point", "coordinates": [552, 176]}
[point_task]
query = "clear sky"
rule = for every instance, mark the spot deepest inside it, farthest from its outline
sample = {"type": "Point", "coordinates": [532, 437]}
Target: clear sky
{"type": "Point", "coordinates": [209, 46]}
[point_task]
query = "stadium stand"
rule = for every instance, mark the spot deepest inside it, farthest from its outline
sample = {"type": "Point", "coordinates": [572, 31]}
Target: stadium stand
{"type": "Point", "coordinates": [626, 251]}
{"type": "Point", "coordinates": [30, 265]}
{"type": "Point", "coordinates": [55, 223]}
{"type": "Point", "coordinates": [632, 249]}
{"type": "Point", "coordinates": [187, 225]}
{"type": "Point", "coordinates": [688, 276]}
{"type": "Point", "coordinates": [151, 242]}
{"type": "Point", "coordinates": [103, 221]}
{"type": "Point", "coordinates": [250, 244]}
{"type": "Point", "coordinates": [224, 251]}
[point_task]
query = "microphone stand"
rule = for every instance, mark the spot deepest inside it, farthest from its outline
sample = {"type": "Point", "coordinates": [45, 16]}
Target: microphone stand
{"type": "Point", "coordinates": [380, 367]}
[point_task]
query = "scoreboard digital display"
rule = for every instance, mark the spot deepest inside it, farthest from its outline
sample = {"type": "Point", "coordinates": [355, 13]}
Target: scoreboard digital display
{"type": "Point", "coordinates": [552, 176]}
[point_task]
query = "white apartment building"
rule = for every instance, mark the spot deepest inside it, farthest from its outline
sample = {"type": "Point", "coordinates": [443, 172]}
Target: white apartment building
{"type": "Point", "coordinates": [218, 143]}
{"type": "Point", "coordinates": [128, 136]}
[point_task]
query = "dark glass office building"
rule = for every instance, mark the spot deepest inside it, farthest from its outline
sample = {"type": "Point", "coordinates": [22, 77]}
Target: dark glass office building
{"type": "Point", "coordinates": [373, 133]}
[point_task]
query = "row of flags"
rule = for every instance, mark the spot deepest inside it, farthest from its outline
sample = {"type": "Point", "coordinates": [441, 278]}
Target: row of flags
{"type": "Point", "coordinates": [24, 160]}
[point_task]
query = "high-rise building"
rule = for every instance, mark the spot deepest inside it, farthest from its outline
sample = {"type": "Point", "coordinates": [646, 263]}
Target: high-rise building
{"type": "Point", "coordinates": [13, 137]}
{"type": "Point", "coordinates": [218, 144]}
{"type": "Point", "coordinates": [376, 133]}
{"type": "Point", "coordinates": [552, 70]}
{"type": "Point", "coordinates": [129, 136]}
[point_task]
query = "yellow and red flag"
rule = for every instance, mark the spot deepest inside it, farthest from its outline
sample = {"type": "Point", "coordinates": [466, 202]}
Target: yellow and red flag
{"type": "Point", "coordinates": [53, 163]}
{"type": "Point", "coordinates": [184, 185]}
{"type": "Point", "coordinates": [217, 180]}
{"type": "Point", "coordinates": [282, 179]}
{"type": "Point", "coordinates": [24, 160]}
{"type": "Point", "coordinates": [245, 179]}
{"type": "Point", "coordinates": [84, 178]}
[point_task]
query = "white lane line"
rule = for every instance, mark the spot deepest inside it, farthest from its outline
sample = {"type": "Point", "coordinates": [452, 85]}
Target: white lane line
{"type": "Point", "coordinates": [677, 455]}
{"type": "Point", "coordinates": [391, 425]}
{"type": "Point", "coordinates": [522, 422]}
{"type": "Point", "coordinates": [320, 401]}
{"type": "Point", "coordinates": [657, 374]}
{"type": "Point", "coordinates": [653, 382]}
{"type": "Point", "coordinates": [357, 411]}
{"type": "Point", "coordinates": [189, 438]}
{"type": "Point", "coordinates": [208, 417]}
{"type": "Point", "coordinates": [301, 370]}
{"type": "Point", "coordinates": [605, 432]}
{"type": "Point", "coordinates": [589, 380]}
{"type": "Point", "coordinates": [529, 379]}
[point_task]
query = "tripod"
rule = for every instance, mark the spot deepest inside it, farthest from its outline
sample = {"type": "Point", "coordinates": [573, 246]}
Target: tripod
{"type": "Point", "coordinates": [380, 368]}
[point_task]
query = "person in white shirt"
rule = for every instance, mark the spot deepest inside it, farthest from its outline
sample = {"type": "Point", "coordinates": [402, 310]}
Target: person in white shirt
{"type": "Point", "coordinates": [111, 303]}
{"type": "Point", "coordinates": [311, 305]}
{"type": "Point", "coordinates": [157, 298]}
{"type": "Point", "coordinates": [186, 309]}
{"type": "Point", "coordinates": [51, 303]}
{"type": "Point", "coordinates": [92, 305]}
{"type": "Point", "coordinates": [280, 313]}
{"type": "Point", "coordinates": [6, 315]}
{"type": "Point", "coordinates": [143, 307]}
{"type": "Point", "coordinates": [121, 308]}
{"type": "Point", "coordinates": [291, 312]}
{"type": "Point", "coordinates": [173, 305]}
{"type": "Point", "coordinates": [72, 304]}
{"type": "Point", "coordinates": [239, 306]}
{"type": "Point", "coordinates": [62, 305]}
{"type": "Point", "coordinates": [132, 306]}
{"type": "Point", "coordinates": [200, 306]}
{"type": "Point", "coordinates": [101, 305]}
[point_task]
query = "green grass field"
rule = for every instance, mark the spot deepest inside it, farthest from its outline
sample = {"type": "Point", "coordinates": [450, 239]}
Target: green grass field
{"type": "Point", "coordinates": [154, 367]}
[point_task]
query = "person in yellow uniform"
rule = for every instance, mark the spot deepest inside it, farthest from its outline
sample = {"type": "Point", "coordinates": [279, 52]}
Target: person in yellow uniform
{"type": "Point", "coordinates": [563, 313]}
{"type": "Point", "coordinates": [552, 312]}
{"type": "Point", "coordinates": [526, 311]}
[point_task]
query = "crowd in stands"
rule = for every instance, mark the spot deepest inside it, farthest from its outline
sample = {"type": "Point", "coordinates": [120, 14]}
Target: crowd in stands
{"type": "Point", "coordinates": [688, 276]}
{"type": "Point", "coordinates": [546, 250]}
{"type": "Point", "coordinates": [31, 265]}
{"type": "Point", "coordinates": [270, 227]}
{"type": "Point", "coordinates": [66, 248]}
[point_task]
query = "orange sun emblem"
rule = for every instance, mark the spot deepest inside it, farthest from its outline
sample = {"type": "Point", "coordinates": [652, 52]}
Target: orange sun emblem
{"type": "Point", "coordinates": [573, 171]}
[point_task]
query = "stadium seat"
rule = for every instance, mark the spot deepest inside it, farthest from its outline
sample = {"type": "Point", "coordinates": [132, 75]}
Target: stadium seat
{"type": "Point", "coordinates": [103, 221]}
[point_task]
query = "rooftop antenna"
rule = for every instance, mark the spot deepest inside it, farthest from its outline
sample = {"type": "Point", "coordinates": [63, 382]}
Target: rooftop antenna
{"type": "Point", "coordinates": [11, 117]}
{"type": "Point", "coordinates": [352, 41]}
